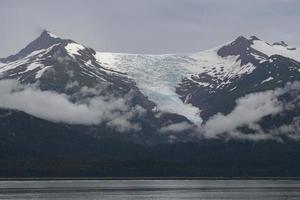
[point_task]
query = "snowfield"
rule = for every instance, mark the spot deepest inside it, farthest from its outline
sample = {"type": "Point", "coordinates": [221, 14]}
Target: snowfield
{"type": "Point", "coordinates": [269, 50]}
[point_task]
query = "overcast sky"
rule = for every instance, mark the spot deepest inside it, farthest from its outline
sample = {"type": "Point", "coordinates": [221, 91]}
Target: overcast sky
{"type": "Point", "coordinates": [148, 26]}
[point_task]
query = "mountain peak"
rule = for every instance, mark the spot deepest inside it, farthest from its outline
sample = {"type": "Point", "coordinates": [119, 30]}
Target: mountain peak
{"type": "Point", "coordinates": [44, 41]}
{"type": "Point", "coordinates": [243, 39]}
{"type": "Point", "coordinates": [236, 47]}
{"type": "Point", "coordinates": [241, 47]}
{"type": "Point", "coordinates": [47, 34]}
{"type": "Point", "coordinates": [240, 39]}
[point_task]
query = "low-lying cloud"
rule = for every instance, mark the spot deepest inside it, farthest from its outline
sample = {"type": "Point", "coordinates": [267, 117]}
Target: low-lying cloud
{"type": "Point", "coordinates": [118, 114]}
{"type": "Point", "coordinates": [48, 105]}
{"type": "Point", "coordinates": [249, 110]}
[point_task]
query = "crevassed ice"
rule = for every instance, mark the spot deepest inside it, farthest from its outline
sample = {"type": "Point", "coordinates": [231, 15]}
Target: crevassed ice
{"type": "Point", "coordinates": [156, 76]}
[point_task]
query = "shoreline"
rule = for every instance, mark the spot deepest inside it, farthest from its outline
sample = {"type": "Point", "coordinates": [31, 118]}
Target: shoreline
{"type": "Point", "coordinates": [142, 178]}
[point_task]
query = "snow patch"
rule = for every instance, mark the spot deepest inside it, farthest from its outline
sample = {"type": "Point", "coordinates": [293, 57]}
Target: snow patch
{"type": "Point", "coordinates": [32, 66]}
{"type": "Point", "coordinates": [52, 35]}
{"type": "Point", "coordinates": [73, 48]}
{"type": "Point", "coordinates": [232, 89]}
{"type": "Point", "coordinates": [267, 80]}
{"type": "Point", "coordinates": [211, 63]}
{"type": "Point", "coordinates": [30, 60]}
{"type": "Point", "coordinates": [12, 65]}
{"type": "Point", "coordinates": [270, 50]}
{"type": "Point", "coordinates": [41, 72]}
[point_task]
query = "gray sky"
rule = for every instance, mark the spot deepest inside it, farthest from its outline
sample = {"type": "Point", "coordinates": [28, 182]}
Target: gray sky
{"type": "Point", "coordinates": [148, 26]}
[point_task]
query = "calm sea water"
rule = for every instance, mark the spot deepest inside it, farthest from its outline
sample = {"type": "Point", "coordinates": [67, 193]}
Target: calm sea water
{"type": "Point", "coordinates": [151, 189]}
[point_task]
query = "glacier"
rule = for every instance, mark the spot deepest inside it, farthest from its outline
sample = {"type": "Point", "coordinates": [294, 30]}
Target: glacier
{"type": "Point", "coordinates": [157, 76]}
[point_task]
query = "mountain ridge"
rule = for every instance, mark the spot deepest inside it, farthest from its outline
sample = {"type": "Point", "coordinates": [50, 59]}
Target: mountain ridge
{"type": "Point", "coordinates": [185, 87]}
{"type": "Point", "coordinates": [67, 110]}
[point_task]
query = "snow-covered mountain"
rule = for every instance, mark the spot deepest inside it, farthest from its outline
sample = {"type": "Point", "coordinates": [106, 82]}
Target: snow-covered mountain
{"type": "Point", "coordinates": [157, 97]}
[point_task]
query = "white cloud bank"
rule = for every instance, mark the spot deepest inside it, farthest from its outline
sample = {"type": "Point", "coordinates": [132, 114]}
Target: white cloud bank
{"type": "Point", "coordinates": [116, 113]}
{"type": "Point", "coordinates": [58, 108]}
{"type": "Point", "coordinates": [249, 110]}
